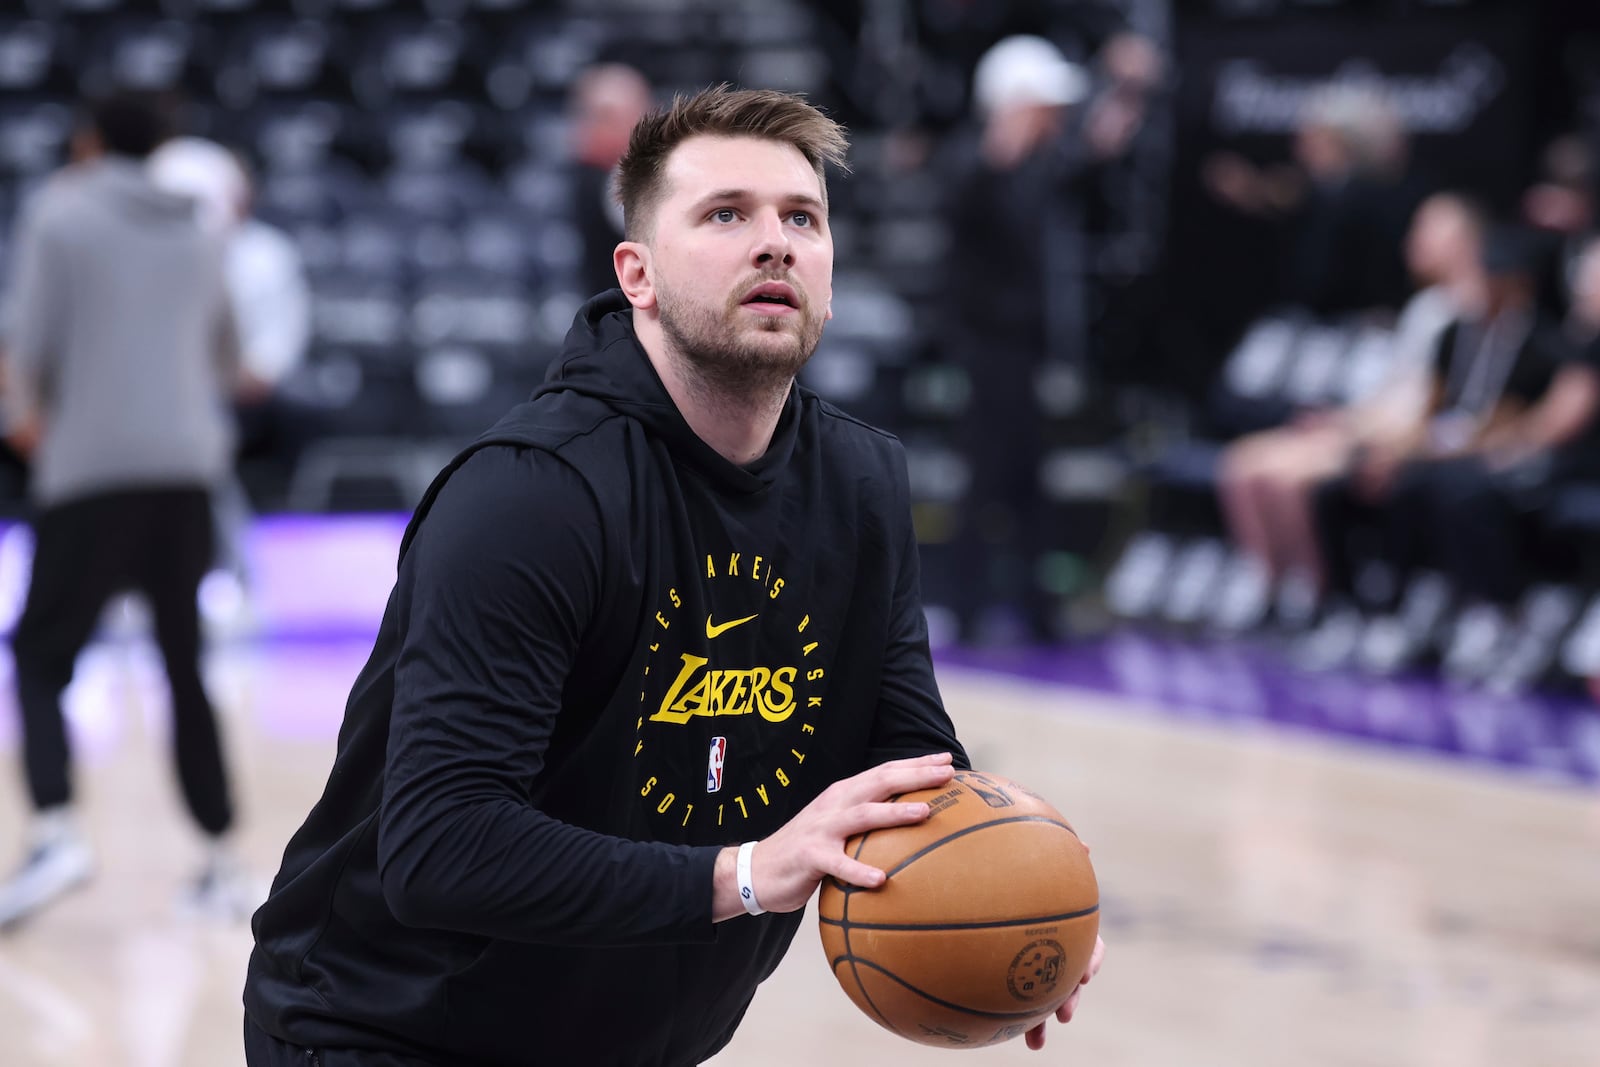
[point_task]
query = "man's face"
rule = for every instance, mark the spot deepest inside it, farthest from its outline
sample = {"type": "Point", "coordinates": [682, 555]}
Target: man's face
{"type": "Point", "coordinates": [1440, 238]}
{"type": "Point", "coordinates": [742, 258]}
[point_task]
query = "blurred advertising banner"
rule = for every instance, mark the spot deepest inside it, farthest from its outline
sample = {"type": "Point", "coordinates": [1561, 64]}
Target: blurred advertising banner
{"type": "Point", "coordinates": [1462, 83]}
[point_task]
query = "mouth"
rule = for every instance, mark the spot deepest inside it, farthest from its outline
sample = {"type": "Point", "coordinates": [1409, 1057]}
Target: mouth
{"type": "Point", "coordinates": [772, 298]}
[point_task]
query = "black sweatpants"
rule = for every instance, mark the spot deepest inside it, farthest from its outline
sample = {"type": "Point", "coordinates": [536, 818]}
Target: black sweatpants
{"type": "Point", "coordinates": [154, 541]}
{"type": "Point", "coordinates": [261, 1049]}
{"type": "Point", "coordinates": [1455, 515]}
{"type": "Point", "coordinates": [1397, 531]}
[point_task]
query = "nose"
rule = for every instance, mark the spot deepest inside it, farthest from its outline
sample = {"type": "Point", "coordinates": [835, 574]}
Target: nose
{"type": "Point", "coordinates": [772, 243]}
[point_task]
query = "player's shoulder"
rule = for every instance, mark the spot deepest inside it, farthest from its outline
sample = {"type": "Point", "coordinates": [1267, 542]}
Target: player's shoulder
{"type": "Point", "coordinates": [550, 452]}
{"type": "Point", "coordinates": [56, 198]}
{"type": "Point", "coordinates": [841, 430]}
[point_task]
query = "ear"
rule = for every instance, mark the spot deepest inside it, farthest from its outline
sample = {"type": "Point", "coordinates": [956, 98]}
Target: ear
{"type": "Point", "coordinates": [631, 260]}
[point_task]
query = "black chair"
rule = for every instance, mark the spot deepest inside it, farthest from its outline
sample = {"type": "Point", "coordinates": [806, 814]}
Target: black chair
{"type": "Point", "coordinates": [279, 56]}
{"type": "Point", "coordinates": [34, 133]}
{"type": "Point", "coordinates": [40, 57]}
{"type": "Point", "coordinates": [402, 57]}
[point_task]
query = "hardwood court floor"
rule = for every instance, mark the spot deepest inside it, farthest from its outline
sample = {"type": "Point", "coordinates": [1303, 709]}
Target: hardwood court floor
{"type": "Point", "coordinates": [1270, 898]}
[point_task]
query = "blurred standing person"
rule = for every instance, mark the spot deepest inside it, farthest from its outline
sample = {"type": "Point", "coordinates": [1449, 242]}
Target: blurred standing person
{"type": "Point", "coordinates": [271, 303]}
{"type": "Point", "coordinates": [607, 100]}
{"type": "Point", "coordinates": [1560, 205]}
{"type": "Point", "coordinates": [122, 350]}
{"type": "Point", "coordinates": [266, 277]}
{"type": "Point", "coordinates": [1343, 203]}
{"type": "Point", "coordinates": [1004, 213]}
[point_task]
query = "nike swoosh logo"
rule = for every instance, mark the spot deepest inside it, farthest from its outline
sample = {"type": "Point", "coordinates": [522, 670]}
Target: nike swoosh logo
{"type": "Point", "coordinates": [718, 629]}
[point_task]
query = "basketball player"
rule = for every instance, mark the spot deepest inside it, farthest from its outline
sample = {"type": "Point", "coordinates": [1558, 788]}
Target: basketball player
{"type": "Point", "coordinates": [655, 651]}
{"type": "Point", "coordinates": [122, 356]}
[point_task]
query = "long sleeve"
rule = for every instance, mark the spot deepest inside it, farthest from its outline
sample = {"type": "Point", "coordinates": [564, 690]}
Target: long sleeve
{"type": "Point", "coordinates": [911, 718]}
{"type": "Point", "coordinates": [498, 589]}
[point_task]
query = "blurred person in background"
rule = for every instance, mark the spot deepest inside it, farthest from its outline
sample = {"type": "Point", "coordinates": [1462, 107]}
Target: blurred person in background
{"type": "Point", "coordinates": [1484, 504]}
{"type": "Point", "coordinates": [122, 354]}
{"type": "Point", "coordinates": [1560, 205]}
{"type": "Point", "coordinates": [266, 277]}
{"type": "Point", "coordinates": [1266, 479]}
{"type": "Point", "coordinates": [1343, 203]}
{"type": "Point", "coordinates": [1490, 371]}
{"type": "Point", "coordinates": [606, 101]}
{"type": "Point", "coordinates": [1003, 213]}
{"type": "Point", "coordinates": [271, 303]}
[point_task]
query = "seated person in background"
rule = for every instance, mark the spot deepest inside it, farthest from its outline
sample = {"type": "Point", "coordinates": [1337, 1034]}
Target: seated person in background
{"type": "Point", "coordinates": [1481, 502]}
{"type": "Point", "coordinates": [1266, 479]}
{"type": "Point", "coordinates": [1490, 373]}
{"type": "Point", "coordinates": [1560, 206]}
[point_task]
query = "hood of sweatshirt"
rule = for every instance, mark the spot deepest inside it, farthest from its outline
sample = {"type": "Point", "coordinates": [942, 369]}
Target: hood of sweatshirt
{"type": "Point", "coordinates": [602, 359]}
{"type": "Point", "coordinates": [126, 186]}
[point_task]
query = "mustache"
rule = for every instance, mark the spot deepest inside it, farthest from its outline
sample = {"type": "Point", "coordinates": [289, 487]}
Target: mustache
{"type": "Point", "coordinates": [802, 298]}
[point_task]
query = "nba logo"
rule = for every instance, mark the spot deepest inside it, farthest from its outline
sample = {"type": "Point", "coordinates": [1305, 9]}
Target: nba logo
{"type": "Point", "coordinates": [719, 751]}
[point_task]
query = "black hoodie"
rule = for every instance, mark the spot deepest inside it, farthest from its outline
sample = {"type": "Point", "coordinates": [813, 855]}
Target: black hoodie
{"type": "Point", "coordinates": [609, 653]}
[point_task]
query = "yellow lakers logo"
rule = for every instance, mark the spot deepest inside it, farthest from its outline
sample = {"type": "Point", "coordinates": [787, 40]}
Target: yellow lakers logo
{"type": "Point", "coordinates": [764, 715]}
{"type": "Point", "coordinates": [727, 692]}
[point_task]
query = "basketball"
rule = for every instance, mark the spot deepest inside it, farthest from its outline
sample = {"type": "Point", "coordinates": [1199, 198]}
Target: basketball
{"type": "Point", "coordinates": [985, 925]}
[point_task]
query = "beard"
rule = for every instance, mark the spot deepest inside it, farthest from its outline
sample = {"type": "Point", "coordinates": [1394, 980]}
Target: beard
{"type": "Point", "coordinates": [724, 357]}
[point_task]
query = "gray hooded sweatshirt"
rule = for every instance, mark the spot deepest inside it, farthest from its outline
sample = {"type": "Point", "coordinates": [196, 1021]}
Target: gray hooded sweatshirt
{"type": "Point", "coordinates": [118, 336]}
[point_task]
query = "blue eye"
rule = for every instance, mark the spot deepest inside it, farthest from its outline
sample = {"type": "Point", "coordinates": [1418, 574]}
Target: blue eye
{"type": "Point", "coordinates": [801, 218]}
{"type": "Point", "coordinates": [724, 214]}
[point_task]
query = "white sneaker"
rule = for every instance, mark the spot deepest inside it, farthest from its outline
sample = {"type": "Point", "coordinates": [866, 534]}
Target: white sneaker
{"type": "Point", "coordinates": [224, 892]}
{"type": "Point", "coordinates": [56, 864]}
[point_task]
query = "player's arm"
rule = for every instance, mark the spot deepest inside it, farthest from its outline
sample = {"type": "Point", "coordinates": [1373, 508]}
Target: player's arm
{"type": "Point", "coordinates": [496, 591]}
{"type": "Point", "coordinates": [910, 718]}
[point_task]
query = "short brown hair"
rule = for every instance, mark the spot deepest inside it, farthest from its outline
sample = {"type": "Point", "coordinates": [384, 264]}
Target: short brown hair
{"type": "Point", "coordinates": [720, 111]}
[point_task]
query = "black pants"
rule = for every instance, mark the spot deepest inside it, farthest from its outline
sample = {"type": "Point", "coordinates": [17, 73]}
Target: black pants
{"type": "Point", "coordinates": [1456, 515]}
{"type": "Point", "coordinates": [1003, 527]}
{"type": "Point", "coordinates": [157, 542]}
{"type": "Point", "coordinates": [261, 1049]}
{"type": "Point", "coordinates": [1397, 531]}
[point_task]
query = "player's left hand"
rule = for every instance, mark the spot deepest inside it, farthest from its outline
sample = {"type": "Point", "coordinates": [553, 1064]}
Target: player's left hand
{"type": "Point", "coordinates": [1064, 1013]}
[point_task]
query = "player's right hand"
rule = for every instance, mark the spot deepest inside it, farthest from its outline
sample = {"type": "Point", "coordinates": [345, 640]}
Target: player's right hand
{"type": "Point", "coordinates": [787, 867]}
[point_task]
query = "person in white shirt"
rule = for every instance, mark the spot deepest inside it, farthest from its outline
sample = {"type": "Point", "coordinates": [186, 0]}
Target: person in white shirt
{"type": "Point", "coordinates": [265, 274]}
{"type": "Point", "coordinates": [1265, 480]}
{"type": "Point", "coordinates": [271, 304]}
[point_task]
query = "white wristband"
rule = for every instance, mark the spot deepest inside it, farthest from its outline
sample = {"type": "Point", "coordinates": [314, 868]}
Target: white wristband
{"type": "Point", "coordinates": [747, 890]}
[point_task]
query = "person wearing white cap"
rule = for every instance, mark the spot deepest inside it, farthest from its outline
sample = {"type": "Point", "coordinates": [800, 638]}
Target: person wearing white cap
{"type": "Point", "coordinates": [1020, 87]}
{"type": "Point", "coordinates": [266, 278]}
{"type": "Point", "coordinates": [1004, 214]}
{"type": "Point", "coordinates": [271, 304]}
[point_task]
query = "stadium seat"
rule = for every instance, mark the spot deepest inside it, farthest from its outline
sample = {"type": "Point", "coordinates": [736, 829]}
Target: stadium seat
{"type": "Point", "coordinates": [156, 55]}
{"type": "Point", "coordinates": [477, 309]}
{"type": "Point", "coordinates": [324, 193]}
{"type": "Point", "coordinates": [34, 133]}
{"type": "Point", "coordinates": [447, 191]}
{"type": "Point", "coordinates": [280, 56]}
{"type": "Point", "coordinates": [412, 57]}
{"type": "Point", "coordinates": [36, 56]}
